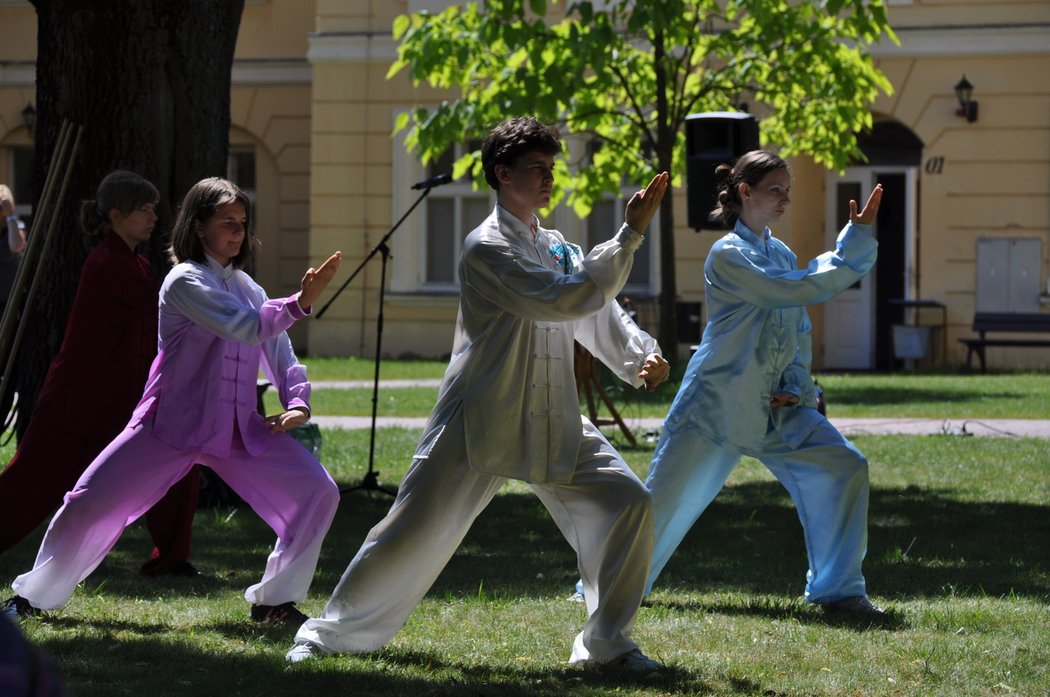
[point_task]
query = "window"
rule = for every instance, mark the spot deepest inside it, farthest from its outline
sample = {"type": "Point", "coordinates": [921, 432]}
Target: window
{"type": "Point", "coordinates": [452, 211]}
{"type": "Point", "coordinates": [240, 168]}
{"type": "Point", "coordinates": [21, 168]}
{"type": "Point", "coordinates": [605, 219]}
{"type": "Point", "coordinates": [426, 250]}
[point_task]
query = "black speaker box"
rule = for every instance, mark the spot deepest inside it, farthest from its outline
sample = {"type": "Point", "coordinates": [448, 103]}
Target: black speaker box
{"type": "Point", "coordinates": [712, 139]}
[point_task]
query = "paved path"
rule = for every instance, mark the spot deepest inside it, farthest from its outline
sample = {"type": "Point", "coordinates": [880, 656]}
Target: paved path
{"type": "Point", "coordinates": [1003, 428]}
{"type": "Point", "coordinates": [367, 384]}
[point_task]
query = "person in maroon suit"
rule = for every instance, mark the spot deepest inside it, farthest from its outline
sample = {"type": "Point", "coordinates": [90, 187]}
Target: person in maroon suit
{"type": "Point", "coordinates": [96, 379]}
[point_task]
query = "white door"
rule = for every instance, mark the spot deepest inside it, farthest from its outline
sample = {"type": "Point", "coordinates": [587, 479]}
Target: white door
{"type": "Point", "coordinates": [849, 318]}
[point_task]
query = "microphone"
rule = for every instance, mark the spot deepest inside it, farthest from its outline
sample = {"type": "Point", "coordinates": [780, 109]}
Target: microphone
{"type": "Point", "coordinates": [433, 181]}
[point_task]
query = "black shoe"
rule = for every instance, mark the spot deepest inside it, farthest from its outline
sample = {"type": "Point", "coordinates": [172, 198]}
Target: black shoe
{"type": "Point", "coordinates": [16, 608]}
{"type": "Point", "coordinates": [857, 605]}
{"type": "Point", "coordinates": [183, 569]}
{"type": "Point", "coordinates": [285, 613]}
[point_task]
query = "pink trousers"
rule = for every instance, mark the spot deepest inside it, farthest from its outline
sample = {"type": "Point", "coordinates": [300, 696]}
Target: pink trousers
{"type": "Point", "coordinates": [285, 485]}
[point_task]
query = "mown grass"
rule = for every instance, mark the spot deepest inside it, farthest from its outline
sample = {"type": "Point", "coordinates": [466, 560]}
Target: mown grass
{"type": "Point", "coordinates": [958, 552]}
{"type": "Point", "coordinates": [900, 395]}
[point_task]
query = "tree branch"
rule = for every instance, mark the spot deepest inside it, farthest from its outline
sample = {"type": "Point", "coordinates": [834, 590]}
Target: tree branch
{"type": "Point", "coordinates": [641, 122]}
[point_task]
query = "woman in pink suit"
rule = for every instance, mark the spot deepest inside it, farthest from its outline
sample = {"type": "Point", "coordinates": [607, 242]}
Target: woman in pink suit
{"type": "Point", "coordinates": [217, 329]}
{"type": "Point", "coordinates": [96, 379]}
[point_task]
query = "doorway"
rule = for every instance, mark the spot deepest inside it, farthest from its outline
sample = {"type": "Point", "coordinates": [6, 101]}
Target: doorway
{"type": "Point", "coordinates": [858, 322]}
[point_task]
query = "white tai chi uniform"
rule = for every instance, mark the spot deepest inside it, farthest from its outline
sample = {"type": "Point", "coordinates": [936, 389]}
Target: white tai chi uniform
{"type": "Point", "coordinates": [508, 408]}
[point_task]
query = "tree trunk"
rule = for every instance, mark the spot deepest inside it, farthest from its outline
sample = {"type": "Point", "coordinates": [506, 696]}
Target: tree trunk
{"type": "Point", "coordinates": [149, 80]}
{"type": "Point", "coordinates": [665, 141]}
{"type": "Point", "coordinates": [668, 337]}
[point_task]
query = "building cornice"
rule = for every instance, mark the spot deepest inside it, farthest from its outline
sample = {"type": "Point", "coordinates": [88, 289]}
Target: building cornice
{"type": "Point", "coordinates": [271, 71]}
{"type": "Point", "coordinates": [351, 47]}
{"type": "Point", "coordinates": [965, 40]}
{"type": "Point", "coordinates": [918, 41]}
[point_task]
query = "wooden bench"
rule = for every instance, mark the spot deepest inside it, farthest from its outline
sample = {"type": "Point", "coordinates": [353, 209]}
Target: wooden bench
{"type": "Point", "coordinates": [1016, 322]}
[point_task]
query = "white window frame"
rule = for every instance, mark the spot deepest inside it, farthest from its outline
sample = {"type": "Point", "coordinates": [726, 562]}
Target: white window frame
{"type": "Point", "coordinates": [408, 247]}
{"type": "Point", "coordinates": [234, 175]}
{"type": "Point", "coordinates": [575, 229]}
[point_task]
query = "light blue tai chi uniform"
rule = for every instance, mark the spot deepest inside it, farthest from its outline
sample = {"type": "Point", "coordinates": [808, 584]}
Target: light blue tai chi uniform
{"type": "Point", "coordinates": [758, 341]}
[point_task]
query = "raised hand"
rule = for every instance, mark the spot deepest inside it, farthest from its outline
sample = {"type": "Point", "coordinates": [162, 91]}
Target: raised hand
{"type": "Point", "coordinates": [644, 204]}
{"type": "Point", "coordinates": [316, 280]}
{"type": "Point", "coordinates": [866, 216]}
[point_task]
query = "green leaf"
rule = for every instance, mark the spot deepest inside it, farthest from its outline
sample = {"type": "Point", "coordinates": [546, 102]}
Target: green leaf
{"type": "Point", "coordinates": [598, 75]}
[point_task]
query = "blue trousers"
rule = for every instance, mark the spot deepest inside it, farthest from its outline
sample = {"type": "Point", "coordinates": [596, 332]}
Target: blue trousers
{"type": "Point", "coordinates": [826, 477]}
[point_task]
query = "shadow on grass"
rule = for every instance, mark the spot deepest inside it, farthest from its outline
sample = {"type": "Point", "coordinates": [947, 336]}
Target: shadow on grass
{"type": "Point", "coordinates": [923, 543]}
{"type": "Point", "coordinates": [899, 394]}
{"type": "Point", "coordinates": [787, 609]}
{"type": "Point", "coordinates": [193, 673]}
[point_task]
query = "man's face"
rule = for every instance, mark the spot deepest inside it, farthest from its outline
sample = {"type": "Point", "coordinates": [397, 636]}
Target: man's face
{"type": "Point", "coordinates": [528, 181]}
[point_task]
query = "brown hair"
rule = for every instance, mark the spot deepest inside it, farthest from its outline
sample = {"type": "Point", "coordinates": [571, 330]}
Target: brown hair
{"type": "Point", "coordinates": [119, 189]}
{"type": "Point", "coordinates": [198, 206]}
{"type": "Point", "coordinates": [515, 137]}
{"type": "Point", "coordinates": [749, 169]}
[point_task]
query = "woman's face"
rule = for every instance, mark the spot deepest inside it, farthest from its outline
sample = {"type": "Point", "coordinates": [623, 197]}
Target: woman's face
{"type": "Point", "coordinates": [223, 234]}
{"type": "Point", "coordinates": [135, 226]}
{"type": "Point", "coordinates": [766, 201]}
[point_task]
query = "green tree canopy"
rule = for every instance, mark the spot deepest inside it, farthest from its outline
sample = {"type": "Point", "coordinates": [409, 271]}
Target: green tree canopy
{"type": "Point", "coordinates": [625, 77]}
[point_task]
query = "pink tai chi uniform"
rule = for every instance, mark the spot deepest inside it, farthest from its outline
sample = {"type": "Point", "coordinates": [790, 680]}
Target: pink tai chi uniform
{"type": "Point", "coordinates": [216, 329]}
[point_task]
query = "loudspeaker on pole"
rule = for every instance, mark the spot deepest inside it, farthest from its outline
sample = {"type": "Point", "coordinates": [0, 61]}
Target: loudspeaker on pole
{"type": "Point", "coordinates": [711, 139]}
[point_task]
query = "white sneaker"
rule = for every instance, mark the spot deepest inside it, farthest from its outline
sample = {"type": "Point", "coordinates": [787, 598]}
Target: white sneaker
{"type": "Point", "coordinates": [577, 597]}
{"type": "Point", "coordinates": [631, 663]}
{"type": "Point", "coordinates": [857, 605]}
{"type": "Point", "coordinates": [303, 650]}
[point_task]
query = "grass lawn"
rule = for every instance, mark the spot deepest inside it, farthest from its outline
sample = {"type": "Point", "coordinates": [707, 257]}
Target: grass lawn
{"type": "Point", "coordinates": [907, 395]}
{"type": "Point", "coordinates": [959, 552]}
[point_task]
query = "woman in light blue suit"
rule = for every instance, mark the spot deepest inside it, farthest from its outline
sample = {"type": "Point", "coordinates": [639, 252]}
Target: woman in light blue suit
{"type": "Point", "coordinates": [747, 389]}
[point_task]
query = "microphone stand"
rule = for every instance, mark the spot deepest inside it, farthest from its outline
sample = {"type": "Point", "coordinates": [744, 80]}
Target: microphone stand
{"type": "Point", "coordinates": [370, 482]}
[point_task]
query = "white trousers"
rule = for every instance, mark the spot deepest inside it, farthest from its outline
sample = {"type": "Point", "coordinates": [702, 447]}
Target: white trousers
{"type": "Point", "coordinates": [285, 485]}
{"type": "Point", "coordinates": [604, 513]}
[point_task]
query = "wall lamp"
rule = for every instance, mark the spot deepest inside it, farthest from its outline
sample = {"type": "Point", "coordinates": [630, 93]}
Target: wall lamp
{"type": "Point", "coordinates": [967, 105]}
{"type": "Point", "coordinates": [29, 119]}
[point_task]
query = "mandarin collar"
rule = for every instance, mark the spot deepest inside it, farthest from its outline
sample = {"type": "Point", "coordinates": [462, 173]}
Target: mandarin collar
{"type": "Point", "coordinates": [743, 231]}
{"type": "Point", "coordinates": [223, 272]}
{"type": "Point", "coordinates": [517, 226]}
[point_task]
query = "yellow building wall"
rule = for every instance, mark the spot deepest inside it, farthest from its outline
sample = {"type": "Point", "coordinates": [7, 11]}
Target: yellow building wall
{"type": "Point", "coordinates": [351, 201]}
{"type": "Point", "coordinates": [983, 179]}
{"type": "Point", "coordinates": [270, 107]}
{"type": "Point", "coordinates": [275, 29]}
{"type": "Point", "coordinates": [17, 77]}
{"type": "Point", "coordinates": [310, 95]}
